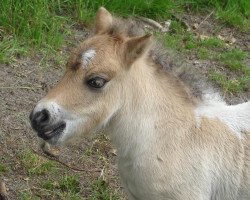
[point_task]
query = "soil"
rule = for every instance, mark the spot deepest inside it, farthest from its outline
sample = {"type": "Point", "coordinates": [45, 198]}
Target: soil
{"type": "Point", "coordinates": [23, 83]}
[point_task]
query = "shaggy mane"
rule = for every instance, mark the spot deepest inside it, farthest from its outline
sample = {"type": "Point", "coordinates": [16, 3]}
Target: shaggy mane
{"type": "Point", "coordinates": [163, 58]}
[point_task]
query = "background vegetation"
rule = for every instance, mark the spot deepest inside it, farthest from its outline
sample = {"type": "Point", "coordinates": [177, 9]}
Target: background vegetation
{"type": "Point", "coordinates": [44, 23]}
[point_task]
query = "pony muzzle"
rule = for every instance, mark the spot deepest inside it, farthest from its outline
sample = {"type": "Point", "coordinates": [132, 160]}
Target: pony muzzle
{"type": "Point", "coordinates": [46, 123]}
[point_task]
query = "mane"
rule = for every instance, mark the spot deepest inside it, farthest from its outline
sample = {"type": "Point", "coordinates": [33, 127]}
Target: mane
{"type": "Point", "coordinates": [165, 59]}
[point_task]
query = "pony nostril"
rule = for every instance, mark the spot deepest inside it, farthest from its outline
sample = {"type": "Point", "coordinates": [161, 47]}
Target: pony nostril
{"type": "Point", "coordinates": [43, 117]}
{"type": "Point", "coordinates": [40, 118]}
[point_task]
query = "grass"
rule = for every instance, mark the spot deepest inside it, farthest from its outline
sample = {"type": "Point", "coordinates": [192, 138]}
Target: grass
{"type": "Point", "coordinates": [68, 187]}
{"type": "Point", "coordinates": [27, 25]}
{"type": "Point", "coordinates": [101, 190]}
{"type": "Point", "coordinates": [34, 22]}
{"type": "Point", "coordinates": [10, 48]}
{"type": "Point", "coordinates": [230, 12]}
{"type": "Point", "coordinates": [213, 49]}
{"type": "Point", "coordinates": [234, 60]}
{"type": "Point", "coordinates": [240, 84]}
{"type": "Point", "coordinates": [212, 43]}
{"type": "Point", "coordinates": [233, 54]}
{"type": "Point", "coordinates": [56, 182]}
{"type": "Point", "coordinates": [36, 165]}
{"type": "Point", "coordinates": [28, 196]}
{"type": "Point", "coordinates": [3, 168]}
{"type": "Point", "coordinates": [70, 184]}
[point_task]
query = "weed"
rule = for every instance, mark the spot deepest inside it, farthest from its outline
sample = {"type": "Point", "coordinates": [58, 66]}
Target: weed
{"type": "Point", "coordinates": [234, 60]}
{"type": "Point", "coordinates": [3, 168]}
{"type": "Point", "coordinates": [177, 28]}
{"type": "Point", "coordinates": [230, 85]}
{"type": "Point", "coordinates": [212, 43]}
{"type": "Point", "coordinates": [36, 165]}
{"type": "Point", "coordinates": [203, 53]}
{"type": "Point", "coordinates": [173, 42]}
{"type": "Point", "coordinates": [66, 188]}
{"type": "Point", "coordinates": [237, 66]}
{"type": "Point", "coordinates": [232, 17]}
{"type": "Point", "coordinates": [33, 21]}
{"type": "Point", "coordinates": [101, 190]}
{"type": "Point", "coordinates": [49, 184]}
{"type": "Point", "coordinates": [28, 196]}
{"type": "Point", "coordinates": [70, 184]}
{"type": "Point", "coordinates": [233, 54]}
{"type": "Point", "coordinates": [43, 24]}
{"type": "Point", "coordinates": [233, 13]}
{"type": "Point", "coordinates": [9, 48]}
{"type": "Point", "coordinates": [191, 42]}
{"type": "Point", "coordinates": [70, 195]}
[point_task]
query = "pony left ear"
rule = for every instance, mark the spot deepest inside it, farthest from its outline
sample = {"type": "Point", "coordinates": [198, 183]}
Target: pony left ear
{"type": "Point", "coordinates": [136, 47]}
{"type": "Point", "coordinates": [103, 21]}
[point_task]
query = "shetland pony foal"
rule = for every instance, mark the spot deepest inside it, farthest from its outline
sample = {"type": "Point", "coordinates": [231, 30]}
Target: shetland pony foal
{"type": "Point", "coordinates": [169, 146]}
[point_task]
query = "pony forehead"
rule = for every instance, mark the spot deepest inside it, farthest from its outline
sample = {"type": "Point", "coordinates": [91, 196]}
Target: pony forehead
{"type": "Point", "coordinates": [87, 56]}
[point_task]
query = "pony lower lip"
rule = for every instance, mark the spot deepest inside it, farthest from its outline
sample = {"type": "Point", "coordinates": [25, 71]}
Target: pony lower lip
{"type": "Point", "coordinates": [48, 132]}
{"type": "Point", "coordinates": [52, 133]}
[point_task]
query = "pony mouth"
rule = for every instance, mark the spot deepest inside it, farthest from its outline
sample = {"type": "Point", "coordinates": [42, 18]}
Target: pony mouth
{"type": "Point", "coordinates": [52, 132]}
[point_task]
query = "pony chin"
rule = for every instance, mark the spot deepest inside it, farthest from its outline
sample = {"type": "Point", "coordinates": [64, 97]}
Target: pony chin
{"type": "Point", "coordinates": [74, 133]}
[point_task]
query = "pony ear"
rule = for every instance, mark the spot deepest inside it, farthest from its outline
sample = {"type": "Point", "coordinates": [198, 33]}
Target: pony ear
{"type": "Point", "coordinates": [103, 21]}
{"type": "Point", "coordinates": [136, 47]}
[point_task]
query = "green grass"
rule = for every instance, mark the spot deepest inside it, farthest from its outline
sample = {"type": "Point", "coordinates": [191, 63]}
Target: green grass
{"type": "Point", "coordinates": [213, 49]}
{"type": "Point", "coordinates": [231, 86]}
{"type": "Point", "coordinates": [49, 184]}
{"type": "Point", "coordinates": [70, 184]}
{"type": "Point", "coordinates": [212, 43]}
{"type": "Point", "coordinates": [65, 188]}
{"type": "Point", "coordinates": [3, 168]}
{"type": "Point", "coordinates": [237, 66]}
{"type": "Point", "coordinates": [36, 165]}
{"type": "Point", "coordinates": [10, 48]}
{"type": "Point", "coordinates": [27, 24]}
{"type": "Point", "coordinates": [233, 54]}
{"type": "Point", "coordinates": [33, 21]}
{"type": "Point", "coordinates": [203, 53]}
{"type": "Point", "coordinates": [101, 190]}
{"type": "Point", "coordinates": [230, 12]}
{"type": "Point", "coordinates": [234, 60]}
{"type": "Point", "coordinates": [27, 196]}
{"type": "Point", "coordinates": [68, 187]}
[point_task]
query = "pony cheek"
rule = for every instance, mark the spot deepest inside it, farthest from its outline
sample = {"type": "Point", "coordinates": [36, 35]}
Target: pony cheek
{"type": "Point", "coordinates": [72, 129]}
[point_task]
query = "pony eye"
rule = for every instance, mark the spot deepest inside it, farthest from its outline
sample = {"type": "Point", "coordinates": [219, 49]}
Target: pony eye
{"type": "Point", "coordinates": [96, 82]}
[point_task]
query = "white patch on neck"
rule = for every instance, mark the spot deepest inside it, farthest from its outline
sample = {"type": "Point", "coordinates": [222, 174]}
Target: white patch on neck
{"type": "Point", "coordinates": [88, 56]}
{"type": "Point", "coordinates": [236, 117]}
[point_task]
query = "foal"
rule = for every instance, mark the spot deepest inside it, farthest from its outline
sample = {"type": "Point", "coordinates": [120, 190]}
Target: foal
{"type": "Point", "coordinates": [170, 144]}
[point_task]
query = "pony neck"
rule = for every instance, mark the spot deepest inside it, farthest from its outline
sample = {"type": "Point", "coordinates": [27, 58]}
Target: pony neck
{"type": "Point", "coordinates": [154, 108]}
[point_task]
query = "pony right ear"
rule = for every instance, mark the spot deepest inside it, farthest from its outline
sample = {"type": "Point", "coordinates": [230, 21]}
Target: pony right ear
{"type": "Point", "coordinates": [136, 47]}
{"type": "Point", "coordinates": [103, 21]}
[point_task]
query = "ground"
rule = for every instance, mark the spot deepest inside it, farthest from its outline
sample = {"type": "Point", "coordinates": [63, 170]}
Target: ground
{"type": "Point", "coordinates": [29, 175]}
{"type": "Point", "coordinates": [207, 63]}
